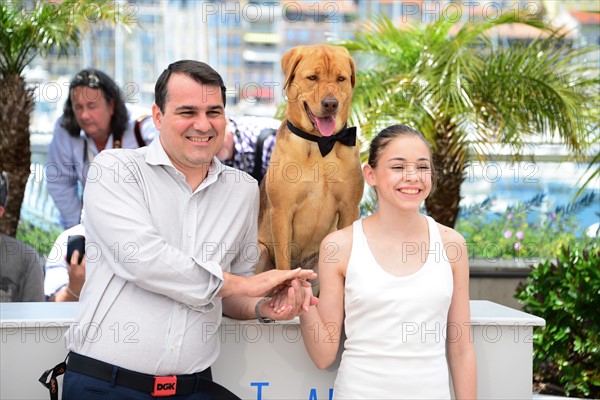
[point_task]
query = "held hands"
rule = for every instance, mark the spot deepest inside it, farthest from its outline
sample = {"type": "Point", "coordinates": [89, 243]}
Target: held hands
{"type": "Point", "coordinates": [289, 301]}
{"type": "Point", "coordinates": [292, 294]}
{"type": "Point", "coordinates": [262, 284]}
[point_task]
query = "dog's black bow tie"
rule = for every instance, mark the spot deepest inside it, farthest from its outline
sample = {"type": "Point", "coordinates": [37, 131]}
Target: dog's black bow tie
{"type": "Point", "coordinates": [346, 136]}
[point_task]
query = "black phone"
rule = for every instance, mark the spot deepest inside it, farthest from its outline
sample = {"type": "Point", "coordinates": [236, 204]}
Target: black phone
{"type": "Point", "coordinates": [75, 242]}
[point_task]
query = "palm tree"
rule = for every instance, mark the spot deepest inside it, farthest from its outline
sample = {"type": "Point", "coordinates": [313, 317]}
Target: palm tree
{"type": "Point", "coordinates": [29, 29]}
{"type": "Point", "coordinates": [465, 93]}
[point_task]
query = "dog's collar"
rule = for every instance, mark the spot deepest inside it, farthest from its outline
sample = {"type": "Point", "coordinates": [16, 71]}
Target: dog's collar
{"type": "Point", "coordinates": [346, 136]}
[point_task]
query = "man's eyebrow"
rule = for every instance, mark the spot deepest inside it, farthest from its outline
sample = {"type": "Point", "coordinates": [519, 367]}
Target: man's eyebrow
{"type": "Point", "coordinates": [186, 108]}
{"type": "Point", "coordinates": [216, 107]}
{"type": "Point", "coordinates": [196, 108]}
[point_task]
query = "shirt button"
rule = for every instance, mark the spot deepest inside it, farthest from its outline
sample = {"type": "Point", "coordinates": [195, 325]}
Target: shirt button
{"type": "Point", "coordinates": [181, 306]}
{"type": "Point", "coordinates": [172, 348]}
{"type": "Point", "coordinates": [189, 235]}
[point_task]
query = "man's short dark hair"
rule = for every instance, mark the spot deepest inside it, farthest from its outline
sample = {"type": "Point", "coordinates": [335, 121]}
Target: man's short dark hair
{"type": "Point", "coordinates": [197, 70]}
{"type": "Point", "coordinates": [3, 189]}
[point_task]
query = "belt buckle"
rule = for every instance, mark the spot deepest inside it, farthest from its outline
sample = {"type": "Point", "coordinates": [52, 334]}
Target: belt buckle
{"type": "Point", "coordinates": [164, 386]}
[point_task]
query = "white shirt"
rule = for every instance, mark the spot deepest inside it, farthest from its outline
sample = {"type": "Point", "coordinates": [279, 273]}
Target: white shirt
{"type": "Point", "coordinates": [155, 256]}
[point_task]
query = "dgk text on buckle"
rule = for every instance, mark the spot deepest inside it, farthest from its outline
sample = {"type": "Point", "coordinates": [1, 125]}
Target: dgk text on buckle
{"type": "Point", "coordinates": [164, 386]}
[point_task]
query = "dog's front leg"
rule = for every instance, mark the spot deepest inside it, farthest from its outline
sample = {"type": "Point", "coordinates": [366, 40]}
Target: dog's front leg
{"type": "Point", "coordinates": [281, 225]}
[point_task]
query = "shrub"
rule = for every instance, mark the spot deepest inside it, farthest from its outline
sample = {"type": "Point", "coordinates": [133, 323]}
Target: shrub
{"type": "Point", "coordinates": [40, 239]}
{"type": "Point", "coordinates": [566, 293]}
{"type": "Point", "coordinates": [522, 232]}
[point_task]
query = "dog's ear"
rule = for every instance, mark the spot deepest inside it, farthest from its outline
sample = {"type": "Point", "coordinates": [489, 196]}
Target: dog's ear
{"type": "Point", "coordinates": [353, 72]}
{"type": "Point", "coordinates": [289, 62]}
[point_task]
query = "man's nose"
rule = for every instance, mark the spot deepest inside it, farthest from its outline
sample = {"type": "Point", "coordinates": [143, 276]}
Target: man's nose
{"type": "Point", "coordinates": [201, 123]}
{"type": "Point", "coordinates": [84, 113]}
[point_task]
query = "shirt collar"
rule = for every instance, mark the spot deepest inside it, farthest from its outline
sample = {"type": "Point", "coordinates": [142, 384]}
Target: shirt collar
{"type": "Point", "coordinates": [90, 141]}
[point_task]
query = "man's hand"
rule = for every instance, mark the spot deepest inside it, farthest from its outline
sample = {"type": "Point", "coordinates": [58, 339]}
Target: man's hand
{"type": "Point", "coordinates": [290, 301]}
{"type": "Point", "coordinates": [292, 294]}
{"type": "Point", "coordinates": [262, 284]}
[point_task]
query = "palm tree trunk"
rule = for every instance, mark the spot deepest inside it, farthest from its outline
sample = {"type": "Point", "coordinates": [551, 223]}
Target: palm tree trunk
{"type": "Point", "coordinates": [16, 105]}
{"type": "Point", "coordinates": [449, 162]}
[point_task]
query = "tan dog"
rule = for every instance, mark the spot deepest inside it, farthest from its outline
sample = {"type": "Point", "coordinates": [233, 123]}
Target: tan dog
{"type": "Point", "coordinates": [306, 194]}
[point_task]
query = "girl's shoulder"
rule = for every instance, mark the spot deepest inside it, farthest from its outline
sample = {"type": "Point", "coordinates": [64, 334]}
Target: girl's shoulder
{"type": "Point", "coordinates": [449, 235]}
{"type": "Point", "coordinates": [338, 243]}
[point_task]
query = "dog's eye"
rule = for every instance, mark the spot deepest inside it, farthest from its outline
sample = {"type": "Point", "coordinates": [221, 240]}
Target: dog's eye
{"type": "Point", "coordinates": [312, 78]}
{"type": "Point", "coordinates": [341, 79]}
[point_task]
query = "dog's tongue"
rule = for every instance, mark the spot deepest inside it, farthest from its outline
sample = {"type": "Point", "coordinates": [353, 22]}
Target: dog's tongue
{"type": "Point", "coordinates": [325, 125]}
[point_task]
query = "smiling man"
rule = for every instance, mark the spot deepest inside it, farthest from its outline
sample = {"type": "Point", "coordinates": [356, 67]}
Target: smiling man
{"type": "Point", "coordinates": [174, 236]}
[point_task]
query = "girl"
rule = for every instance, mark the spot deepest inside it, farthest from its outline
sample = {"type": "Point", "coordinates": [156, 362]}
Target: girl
{"type": "Point", "coordinates": [400, 284]}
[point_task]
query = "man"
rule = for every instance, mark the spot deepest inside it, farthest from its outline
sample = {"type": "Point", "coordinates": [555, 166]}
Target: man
{"type": "Point", "coordinates": [21, 268]}
{"type": "Point", "coordinates": [174, 240]}
{"type": "Point", "coordinates": [95, 118]}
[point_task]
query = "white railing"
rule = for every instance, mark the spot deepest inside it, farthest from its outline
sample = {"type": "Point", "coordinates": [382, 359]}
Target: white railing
{"type": "Point", "coordinates": [264, 362]}
{"type": "Point", "coordinates": [38, 207]}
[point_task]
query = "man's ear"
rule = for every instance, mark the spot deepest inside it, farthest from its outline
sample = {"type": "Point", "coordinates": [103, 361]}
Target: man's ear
{"type": "Point", "coordinates": [156, 116]}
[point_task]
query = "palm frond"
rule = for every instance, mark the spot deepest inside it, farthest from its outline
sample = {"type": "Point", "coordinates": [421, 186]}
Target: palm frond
{"type": "Point", "coordinates": [28, 32]}
{"type": "Point", "coordinates": [595, 174]}
{"type": "Point", "coordinates": [464, 92]}
{"type": "Point", "coordinates": [537, 90]}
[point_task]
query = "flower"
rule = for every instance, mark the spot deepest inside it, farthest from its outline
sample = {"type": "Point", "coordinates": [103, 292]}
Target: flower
{"type": "Point", "coordinates": [510, 216]}
{"type": "Point", "coordinates": [517, 246]}
{"type": "Point", "coordinates": [520, 235]}
{"type": "Point", "coordinates": [508, 234]}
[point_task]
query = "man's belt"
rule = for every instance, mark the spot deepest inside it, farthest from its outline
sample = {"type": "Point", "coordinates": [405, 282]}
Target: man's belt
{"type": "Point", "coordinates": [155, 385]}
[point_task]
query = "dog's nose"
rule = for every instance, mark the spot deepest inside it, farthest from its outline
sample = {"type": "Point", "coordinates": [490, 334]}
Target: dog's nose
{"type": "Point", "coordinates": [329, 104]}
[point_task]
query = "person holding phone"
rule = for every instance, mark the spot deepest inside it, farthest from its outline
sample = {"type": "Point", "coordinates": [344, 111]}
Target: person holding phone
{"type": "Point", "coordinates": [65, 266]}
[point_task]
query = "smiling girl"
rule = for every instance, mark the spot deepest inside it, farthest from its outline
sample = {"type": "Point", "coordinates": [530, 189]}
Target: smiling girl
{"type": "Point", "coordinates": [399, 283]}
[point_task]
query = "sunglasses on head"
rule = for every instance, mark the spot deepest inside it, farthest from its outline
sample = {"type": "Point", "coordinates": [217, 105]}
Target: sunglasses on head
{"type": "Point", "coordinates": [90, 80]}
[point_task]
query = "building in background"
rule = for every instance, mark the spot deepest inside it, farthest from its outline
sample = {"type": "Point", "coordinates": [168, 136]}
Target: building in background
{"type": "Point", "coordinates": [244, 40]}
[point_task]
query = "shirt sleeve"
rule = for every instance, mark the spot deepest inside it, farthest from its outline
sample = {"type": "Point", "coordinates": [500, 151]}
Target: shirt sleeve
{"type": "Point", "coordinates": [118, 223]}
{"type": "Point", "coordinates": [243, 265]}
{"type": "Point", "coordinates": [56, 273]}
{"type": "Point", "coordinates": [61, 177]}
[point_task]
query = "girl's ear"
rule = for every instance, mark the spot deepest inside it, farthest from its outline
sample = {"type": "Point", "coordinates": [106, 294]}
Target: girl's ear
{"type": "Point", "coordinates": [369, 174]}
